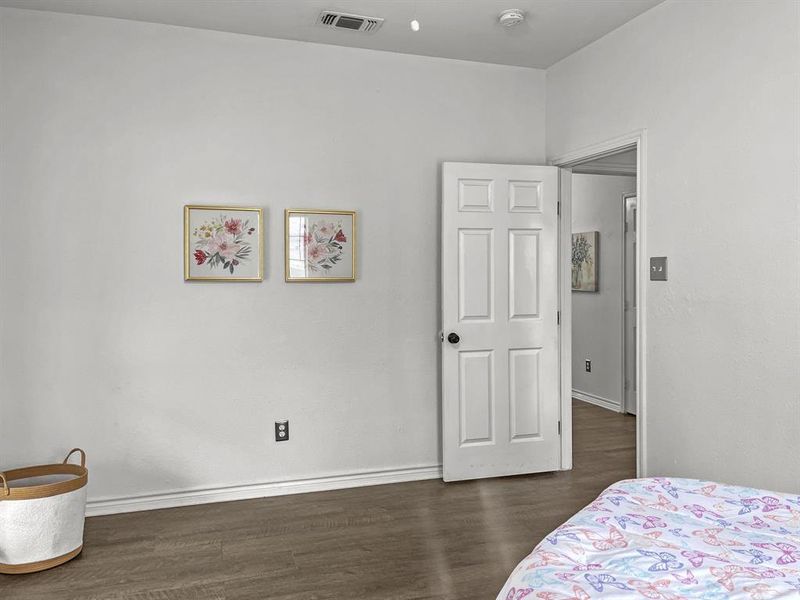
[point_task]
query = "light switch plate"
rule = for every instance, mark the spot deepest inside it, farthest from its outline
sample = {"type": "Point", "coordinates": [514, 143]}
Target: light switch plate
{"type": "Point", "coordinates": [658, 268]}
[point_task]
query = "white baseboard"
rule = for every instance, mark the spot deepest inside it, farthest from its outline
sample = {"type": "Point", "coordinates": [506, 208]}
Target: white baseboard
{"type": "Point", "coordinates": [259, 490]}
{"type": "Point", "coordinates": [596, 400]}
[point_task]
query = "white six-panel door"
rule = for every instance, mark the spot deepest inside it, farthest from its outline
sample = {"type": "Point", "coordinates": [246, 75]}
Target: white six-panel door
{"type": "Point", "coordinates": [500, 378]}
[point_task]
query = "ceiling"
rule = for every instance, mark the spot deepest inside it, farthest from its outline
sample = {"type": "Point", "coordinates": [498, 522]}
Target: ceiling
{"type": "Point", "coordinates": [461, 29]}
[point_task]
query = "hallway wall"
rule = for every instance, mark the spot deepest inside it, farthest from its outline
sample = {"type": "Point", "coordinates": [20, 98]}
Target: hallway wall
{"type": "Point", "coordinates": [596, 319]}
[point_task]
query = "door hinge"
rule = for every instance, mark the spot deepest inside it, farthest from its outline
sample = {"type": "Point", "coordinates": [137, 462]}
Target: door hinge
{"type": "Point", "coordinates": [559, 428]}
{"type": "Point", "coordinates": [558, 208]}
{"type": "Point", "coordinates": [558, 318]}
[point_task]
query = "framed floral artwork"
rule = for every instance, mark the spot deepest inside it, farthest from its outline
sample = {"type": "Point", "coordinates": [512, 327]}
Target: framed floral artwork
{"type": "Point", "coordinates": [223, 243]}
{"type": "Point", "coordinates": [320, 245]}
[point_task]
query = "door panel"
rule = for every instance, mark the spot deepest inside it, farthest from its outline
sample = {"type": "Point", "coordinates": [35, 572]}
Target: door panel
{"type": "Point", "coordinates": [475, 195]}
{"type": "Point", "coordinates": [525, 196]}
{"type": "Point", "coordinates": [524, 389]}
{"type": "Point", "coordinates": [475, 274]}
{"type": "Point", "coordinates": [500, 380]}
{"type": "Point", "coordinates": [476, 397]}
{"type": "Point", "coordinates": [523, 273]}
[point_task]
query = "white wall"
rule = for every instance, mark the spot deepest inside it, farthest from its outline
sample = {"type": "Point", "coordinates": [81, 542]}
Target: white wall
{"type": "Point", "coordinates": [109, 127]}
{"type": "Point", "coordinates": [716, 86]}
{"type": "Point", "coordinates": [596, 316]}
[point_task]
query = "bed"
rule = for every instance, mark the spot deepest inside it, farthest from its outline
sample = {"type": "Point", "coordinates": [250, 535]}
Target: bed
{"type": "Point", "coordinates": [668, 539]}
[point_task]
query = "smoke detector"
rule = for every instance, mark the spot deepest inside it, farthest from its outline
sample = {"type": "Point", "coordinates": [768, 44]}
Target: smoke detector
{"type": "Point", "coordinates": [360, 23]}
{"type": "Point", "coordinates": [511, 17]}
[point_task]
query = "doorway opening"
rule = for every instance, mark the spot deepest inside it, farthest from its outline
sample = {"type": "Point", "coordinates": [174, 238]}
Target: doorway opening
{"type": "Point", "coordinates": [602, 296]}
{"type": "Point", "coordinates": [603, 197]}
{"type": "Point", "coordinates": [506, 273]}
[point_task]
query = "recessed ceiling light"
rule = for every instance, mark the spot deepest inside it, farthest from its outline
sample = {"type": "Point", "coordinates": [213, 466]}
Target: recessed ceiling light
{"type": "Point", "coordinates": [414, 25]}
{"type": "Point", "coordinates": [511, 17]}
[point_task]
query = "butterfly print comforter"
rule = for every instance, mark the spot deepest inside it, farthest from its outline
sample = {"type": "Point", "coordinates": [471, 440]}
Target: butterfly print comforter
{"type": "Point", "coordinates": [668, 539]}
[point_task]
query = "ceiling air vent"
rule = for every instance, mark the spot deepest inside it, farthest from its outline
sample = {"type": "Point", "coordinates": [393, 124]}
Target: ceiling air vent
{"type": "Point", "coordinates": [337, 20]}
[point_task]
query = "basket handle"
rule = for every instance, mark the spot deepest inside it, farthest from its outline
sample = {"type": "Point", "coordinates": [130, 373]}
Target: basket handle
{"type": "Point", "coordinates": [6, 491]}
{"type": "Point", "coordinates": [73, 451]}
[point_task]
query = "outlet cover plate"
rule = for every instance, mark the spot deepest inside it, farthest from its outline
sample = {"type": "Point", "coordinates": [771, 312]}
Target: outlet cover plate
{"type": "Point", "coordinates": [282, 431]}
{"type": "Point", "coordinates": [658, 268]}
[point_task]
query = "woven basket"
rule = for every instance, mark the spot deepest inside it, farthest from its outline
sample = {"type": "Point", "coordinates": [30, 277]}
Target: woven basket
{"type": "Point", "coordinates": [42, 515]}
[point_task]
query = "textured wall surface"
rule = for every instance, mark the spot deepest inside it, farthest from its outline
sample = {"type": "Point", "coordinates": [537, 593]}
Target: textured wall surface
{"type": "Point", "coordinates": [109, 127]}
{"type": "Point", "coordinates": [723, 126]}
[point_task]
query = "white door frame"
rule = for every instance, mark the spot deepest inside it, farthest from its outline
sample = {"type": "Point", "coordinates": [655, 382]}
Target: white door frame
{"type": "Point", "coordinates": [626, 351]}
{"type": "Point", "coordinates": [638, 140]}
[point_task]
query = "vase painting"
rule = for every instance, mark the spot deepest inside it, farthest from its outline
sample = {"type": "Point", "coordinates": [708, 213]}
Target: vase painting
{"type": "Point", "coordinates": [584, 261]}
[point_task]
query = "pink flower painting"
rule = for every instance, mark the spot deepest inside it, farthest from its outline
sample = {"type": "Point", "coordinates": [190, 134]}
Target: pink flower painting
{"type": "Point", "coordinates": [233, 226]}
{"type": "Point", "coordinates": [320, 245]}
{"type": "Point", "coordinates": [324, 245]}
{"type": "Point", "coordinates": [223, 243]}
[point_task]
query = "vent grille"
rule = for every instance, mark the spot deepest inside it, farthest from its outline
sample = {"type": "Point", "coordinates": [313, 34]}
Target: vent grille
{"type": "Point", "coordinates": [360, 23]}
{"type": "Point", "coordinates": [371, 25]}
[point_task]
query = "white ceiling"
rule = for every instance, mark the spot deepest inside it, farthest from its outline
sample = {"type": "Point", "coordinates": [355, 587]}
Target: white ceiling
{"type": "Point", "coordinates": [463, 29]}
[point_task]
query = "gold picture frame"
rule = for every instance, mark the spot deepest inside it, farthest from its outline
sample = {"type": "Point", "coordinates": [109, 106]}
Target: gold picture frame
{"type": "Point", "coordinates": [331, 242]}
{"type": "Point", "coordinates": [228, 226]}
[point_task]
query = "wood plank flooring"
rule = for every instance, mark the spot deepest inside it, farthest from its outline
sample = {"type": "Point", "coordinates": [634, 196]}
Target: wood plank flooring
{"type": "Point", "coordinates": [421, 540]}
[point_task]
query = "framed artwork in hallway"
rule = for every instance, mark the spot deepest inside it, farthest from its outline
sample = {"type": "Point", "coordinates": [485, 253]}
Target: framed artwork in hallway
{"type": "Point", "coordinates": [584, 261]}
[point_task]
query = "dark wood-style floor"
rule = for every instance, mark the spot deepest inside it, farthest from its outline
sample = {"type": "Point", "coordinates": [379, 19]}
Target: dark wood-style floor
{"type": "Point", "coordinates": [421, 540]}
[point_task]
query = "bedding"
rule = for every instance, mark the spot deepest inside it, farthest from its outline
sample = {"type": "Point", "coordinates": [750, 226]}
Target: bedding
{"type": "Point", "coordinates": [668, 539]}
